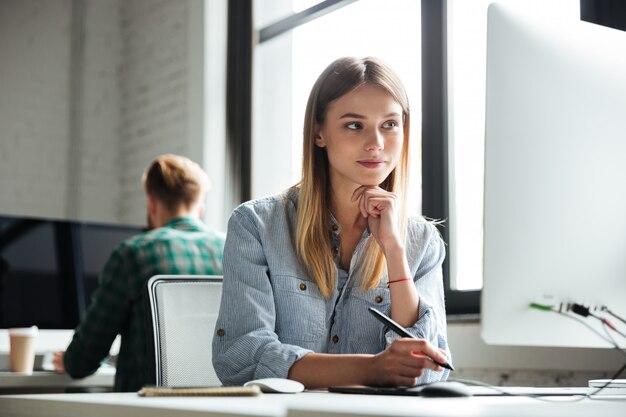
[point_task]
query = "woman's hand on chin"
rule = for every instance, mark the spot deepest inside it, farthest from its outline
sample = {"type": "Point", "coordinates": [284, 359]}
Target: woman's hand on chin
{"type": "Point", "coordinates": [379, 207]}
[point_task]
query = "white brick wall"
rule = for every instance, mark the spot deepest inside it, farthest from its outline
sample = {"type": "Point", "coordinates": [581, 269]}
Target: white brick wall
{"type": "Point", "coordinates": [34, 106]}
{"type": "Point", "coordinates": [153, 82]}
{"type": "Point", "coordinates": [100, 163]}
{"type": "Point", "coordinates": [135, 103]}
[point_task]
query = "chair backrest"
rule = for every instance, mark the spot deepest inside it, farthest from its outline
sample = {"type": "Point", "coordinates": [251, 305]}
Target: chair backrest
{"type": "Point", "coordinates": [182, 311]}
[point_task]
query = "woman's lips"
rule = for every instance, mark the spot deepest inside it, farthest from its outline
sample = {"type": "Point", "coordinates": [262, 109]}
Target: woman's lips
{"type": "Point", "coordinates": [371, 163]}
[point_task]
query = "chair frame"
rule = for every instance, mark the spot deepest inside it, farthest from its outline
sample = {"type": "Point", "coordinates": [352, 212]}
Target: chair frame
{"type": "Point", "coordinates": [152, 319]}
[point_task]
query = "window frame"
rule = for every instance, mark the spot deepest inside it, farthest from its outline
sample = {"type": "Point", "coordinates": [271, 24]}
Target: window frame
{"type": "Point", "coordinates": [462, 305]}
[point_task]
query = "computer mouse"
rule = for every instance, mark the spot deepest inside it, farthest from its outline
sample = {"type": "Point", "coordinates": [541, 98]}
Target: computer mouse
{"type": "Point", "coordinates": [445, 389]}
{"type": "Point", "coordinates": [276, 385]}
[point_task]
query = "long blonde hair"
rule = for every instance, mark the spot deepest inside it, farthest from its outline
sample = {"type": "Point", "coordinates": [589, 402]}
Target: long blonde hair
{"type": "Point", "coordinates": [313, 218]}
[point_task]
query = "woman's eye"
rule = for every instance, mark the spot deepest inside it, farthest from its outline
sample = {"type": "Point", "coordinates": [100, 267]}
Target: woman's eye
{"type": "Point", "coordinates": [354, 125]}
{"type": "Point", "coordinates": [390, 124]}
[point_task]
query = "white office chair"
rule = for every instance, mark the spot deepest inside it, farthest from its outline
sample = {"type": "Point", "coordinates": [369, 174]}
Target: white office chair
{"type": "Point", "coordinates": [182, 314]}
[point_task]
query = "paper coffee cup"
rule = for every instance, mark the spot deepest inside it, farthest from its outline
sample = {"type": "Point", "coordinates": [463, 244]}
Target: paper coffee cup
{"type": "Point", "coordinates": [22, 349]}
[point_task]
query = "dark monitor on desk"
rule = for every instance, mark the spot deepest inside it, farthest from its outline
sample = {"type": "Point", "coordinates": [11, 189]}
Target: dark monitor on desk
{"type": "Point", "coordinates": [34, 287]}
{"type": "Point", "coordinates": [555, 173]}
{"type": "Point", "coordinates": [97, 242]}
{"type": "Point", "coordinates": [49, 269]}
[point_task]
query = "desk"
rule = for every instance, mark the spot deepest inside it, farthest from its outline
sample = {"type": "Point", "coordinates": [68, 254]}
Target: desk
{"type": "Point", "coordinates": [306, 404]}
{"type": "Point", "coordinates": [49, 381]}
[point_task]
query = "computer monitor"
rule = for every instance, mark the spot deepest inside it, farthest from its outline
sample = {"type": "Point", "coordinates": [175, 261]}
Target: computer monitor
{"type": "Point", "coordinates": [97, 242]}
{"type": "Point", "coordinates": [36, 282]}
{"type": "Point", "coordinates": [555, 179]}
{"type": "Point", "coordinates": [48, 271]}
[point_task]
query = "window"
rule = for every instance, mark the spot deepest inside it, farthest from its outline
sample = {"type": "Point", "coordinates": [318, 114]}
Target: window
{"type": "Point", "coordinates": [453, 96]}
{"type": "Point", "coordinates": [286, 66]}
{"type": "Point", "coordinates": [466, 32]}
{"type": "Point", "coordinates": [467, 28]}
{"type": "Point", "coordinates": [298, 38]}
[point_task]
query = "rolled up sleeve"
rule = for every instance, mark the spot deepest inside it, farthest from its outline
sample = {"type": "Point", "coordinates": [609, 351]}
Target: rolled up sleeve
{"type": "Point", "coordinates": [245, 345]}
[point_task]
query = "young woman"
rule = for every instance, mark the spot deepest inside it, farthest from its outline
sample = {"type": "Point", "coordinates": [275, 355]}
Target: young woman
{"type": "Point", "coordinates": [301, 268]}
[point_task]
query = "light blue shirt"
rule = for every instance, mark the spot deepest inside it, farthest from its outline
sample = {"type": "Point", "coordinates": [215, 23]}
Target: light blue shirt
{"type": "Point", "coordinates": [271, 315]}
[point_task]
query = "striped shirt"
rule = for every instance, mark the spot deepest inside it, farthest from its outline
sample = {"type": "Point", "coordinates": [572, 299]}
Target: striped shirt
{"type": "Point", "coordinates": [271, 314]}
{"type": "Point", "coordinates": [183, 246]}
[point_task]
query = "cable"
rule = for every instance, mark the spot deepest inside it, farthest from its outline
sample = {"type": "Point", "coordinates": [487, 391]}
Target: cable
{"type": "Point", "coordinates": [584, 311]}
{"type": "Point", "coordinates": [538, 397]}
{"type": "Point", "coordinates": [544, 307]}
{"type": "Point", "coordinates": [610, 325]}
{"type": "Point", "coordinates": [606, 325]}
{"type": "Point", "coordinates": [607, 383]}
{"type": "Point", "coordinates": [618, 373]}
{"type": "Point", "coordinates": [604, 308]}
{"type": "Point", "coordinates": [581, 321]}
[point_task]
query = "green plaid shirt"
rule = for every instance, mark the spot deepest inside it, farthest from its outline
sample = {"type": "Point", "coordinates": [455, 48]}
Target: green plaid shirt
{"type": "Point", "coordinates": [183, 246]}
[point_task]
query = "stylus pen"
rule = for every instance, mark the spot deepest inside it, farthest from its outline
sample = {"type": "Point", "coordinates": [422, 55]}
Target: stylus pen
{"type": "Point", "coordinates": [401, 331]}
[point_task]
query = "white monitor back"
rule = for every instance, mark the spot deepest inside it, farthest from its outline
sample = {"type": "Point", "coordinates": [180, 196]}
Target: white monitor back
{"type": "Point", "coordinates": [555, 177]}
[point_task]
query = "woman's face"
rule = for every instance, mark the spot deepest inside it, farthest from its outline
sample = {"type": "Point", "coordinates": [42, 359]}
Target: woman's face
{"type": "Point", "coordinates": [363, 136]}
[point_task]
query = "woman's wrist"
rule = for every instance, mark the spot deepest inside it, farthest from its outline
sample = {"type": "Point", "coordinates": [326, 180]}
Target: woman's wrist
{"type": "Point", "coordinates": [393, 249]}
{"type": "Point", "coordinates": [370, 371]}
{"type": "Point", "coordinates": [397, 263]}
{"type": "Point", "coordinates": [322, 370]}
{"type": "Point", "coordinates": [395, 281]}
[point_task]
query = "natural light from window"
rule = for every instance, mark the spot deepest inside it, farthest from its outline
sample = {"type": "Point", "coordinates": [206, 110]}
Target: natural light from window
{"type": "Point", "coordinates": [387, 30]}
{"type": "Point", "coordinates": [467, 34]}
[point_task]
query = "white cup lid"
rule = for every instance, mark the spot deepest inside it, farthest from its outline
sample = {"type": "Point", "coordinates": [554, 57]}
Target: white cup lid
{"type": "Point", "coordinates": [24, 331]}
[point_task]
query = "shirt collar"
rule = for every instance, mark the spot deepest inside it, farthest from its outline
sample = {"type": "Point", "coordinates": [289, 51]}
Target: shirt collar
{"type": "Point", "coordinates": [336, 229]}
{"type": "Point", "coordinates": [184, 222]}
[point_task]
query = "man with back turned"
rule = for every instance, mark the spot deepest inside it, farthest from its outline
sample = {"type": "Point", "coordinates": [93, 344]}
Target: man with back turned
{"type": "Point", "coordinates": [178, 242]}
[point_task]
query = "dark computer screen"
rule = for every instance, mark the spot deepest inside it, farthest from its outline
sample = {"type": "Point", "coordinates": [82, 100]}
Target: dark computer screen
{"type": "Point", "coordinates": [609, 13]}
{"type": "Point", "coordinates": [50, 268]}
{"type": "Point", "coordinates": [31, 276]}
{"type": "Point", "coordinates": [97, 242]}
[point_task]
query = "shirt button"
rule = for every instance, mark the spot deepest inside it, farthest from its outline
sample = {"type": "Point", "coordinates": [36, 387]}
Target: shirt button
{"type": "Point", "coordinates": [335, 339]}
{"type": "Point", "coordinates": [378, 299]}
{"type": "Point", "coordinates": [302, 286]}
{"type": "Point", "coordinates": [335, 227]}
{"type": "Point", "coordinates": [221, 332]}
{"type": "Point", "coordinates": [336, 249]}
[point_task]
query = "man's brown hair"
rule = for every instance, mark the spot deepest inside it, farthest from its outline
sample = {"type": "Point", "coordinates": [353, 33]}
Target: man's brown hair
{"type": "Point", "coordinates": [175, 180]}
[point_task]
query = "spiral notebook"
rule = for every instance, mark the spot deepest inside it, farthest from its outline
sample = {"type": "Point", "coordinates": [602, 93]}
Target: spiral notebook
{"type": "Point", "coordinates": [199, 391]}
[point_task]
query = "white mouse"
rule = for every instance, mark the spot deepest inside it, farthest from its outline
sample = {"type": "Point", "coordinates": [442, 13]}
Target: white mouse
{"type": "Point", "coordinates": [276, 385]}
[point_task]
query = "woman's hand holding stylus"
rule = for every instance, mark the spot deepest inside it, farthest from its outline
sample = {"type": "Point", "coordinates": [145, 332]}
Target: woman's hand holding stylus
{"type": "Point", "coordinates": [404, 361]}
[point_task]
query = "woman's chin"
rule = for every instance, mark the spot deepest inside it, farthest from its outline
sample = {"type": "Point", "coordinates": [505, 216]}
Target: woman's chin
{"type": "Point", "coordinates": [370, 184]}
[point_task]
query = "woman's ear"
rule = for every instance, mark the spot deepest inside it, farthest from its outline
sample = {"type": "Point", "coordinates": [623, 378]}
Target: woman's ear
{"type": "Point", "coordinates": [319, 140]}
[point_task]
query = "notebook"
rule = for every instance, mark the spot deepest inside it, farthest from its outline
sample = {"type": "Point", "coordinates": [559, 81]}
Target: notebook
{"type": "Point", "coordinates": [199, 391]}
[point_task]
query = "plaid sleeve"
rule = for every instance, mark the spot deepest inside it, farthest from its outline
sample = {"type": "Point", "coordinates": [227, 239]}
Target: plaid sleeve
{"type": "Point", "coordinates": [106, 316]}
{"type": "Point", "coordinates": [213, 256]}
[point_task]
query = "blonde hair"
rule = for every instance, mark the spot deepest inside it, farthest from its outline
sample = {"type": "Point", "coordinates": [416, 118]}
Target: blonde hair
{"type": "Point", "coordinates": [313, 219]}
{"type": "Point", "coordinates": [175, 180]}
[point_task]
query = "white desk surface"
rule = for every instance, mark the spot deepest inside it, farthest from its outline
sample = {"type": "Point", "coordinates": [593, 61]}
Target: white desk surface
{"type": "Point", "coordinates": [50, 379]}
{"type": "Point", "coordinates": [307, 404]}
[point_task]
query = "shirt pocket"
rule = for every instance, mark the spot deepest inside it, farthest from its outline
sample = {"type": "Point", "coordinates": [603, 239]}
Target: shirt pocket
{"type": "Point", "coordinates": [300, 310]}
{"type": "Point", "coordinates": [367, 334]}
{"type": "Point", "coordinates": [378, 297]}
